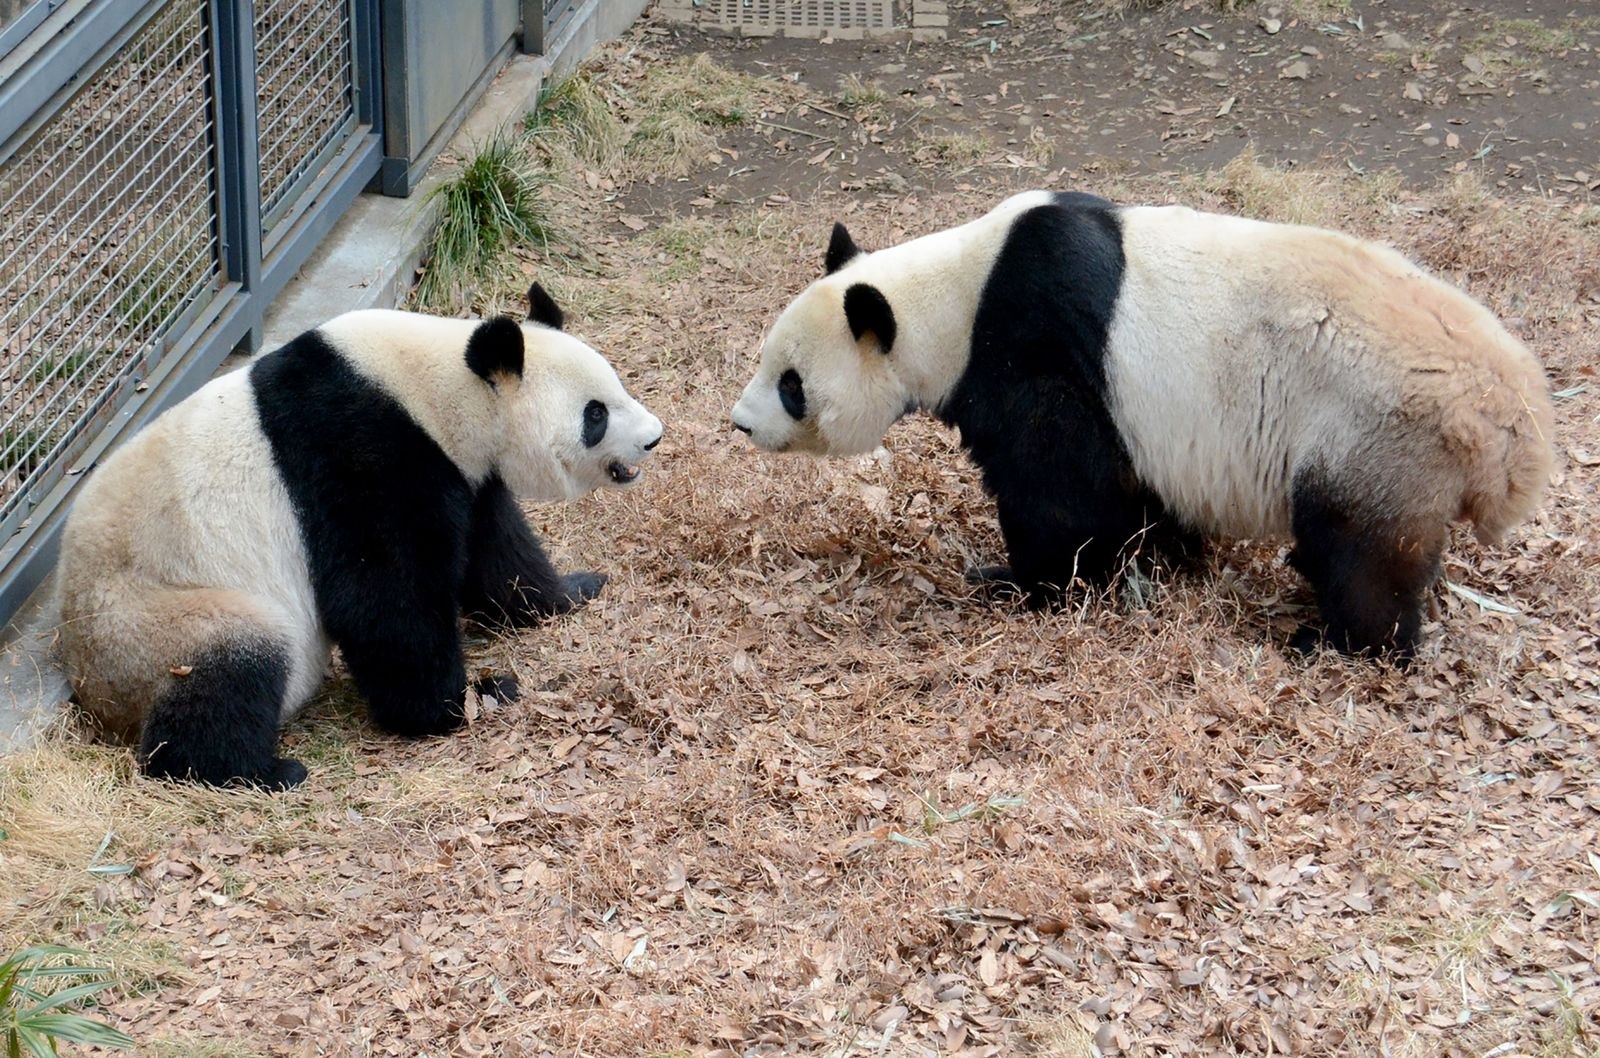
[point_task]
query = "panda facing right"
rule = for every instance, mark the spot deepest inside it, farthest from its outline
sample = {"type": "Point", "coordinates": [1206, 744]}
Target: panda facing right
{"type": "Point", "coordinates": [1134, 377]}
{"type": "Point", "coordinates": [355, 487]}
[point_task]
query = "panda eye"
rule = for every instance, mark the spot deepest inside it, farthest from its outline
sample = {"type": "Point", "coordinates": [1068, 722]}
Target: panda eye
{"type": "Point", "coordinates": [595, 417]}
{"type": "Point", "coordinates": [792, 394]}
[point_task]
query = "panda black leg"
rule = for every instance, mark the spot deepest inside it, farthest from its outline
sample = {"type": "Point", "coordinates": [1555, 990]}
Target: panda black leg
{"type": "Point", "coordinates": [218, 724]}
{"type": "Point", "coordinates": [1051, 543]}
{"type": "Point", "coordinates": [1370, 575]}
{"type": "Point", "coordinates": [411, 674]}
{"type": "Point", "coordinates": [510, 581]}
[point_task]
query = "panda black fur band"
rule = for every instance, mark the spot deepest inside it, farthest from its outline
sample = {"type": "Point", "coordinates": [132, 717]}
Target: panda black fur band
{"type": "Point", "coordinates": [355, 487]}
{"type": "Point", "coordinates": [1130, 378]}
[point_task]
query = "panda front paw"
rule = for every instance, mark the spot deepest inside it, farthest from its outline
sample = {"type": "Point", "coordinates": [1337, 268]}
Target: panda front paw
{"type": "Point", "coordinates": [996, 582]}
{"type": "Point", "coordinates": [1307, 641]}
{"type": "Point", "coordinates": [582, 587]}
{"type": "Point", "coordinates": [502, 688]}
{"type": "Point", "coordinates": [287, 774]}
{"type": "Point", "coordinates": [990, 575]}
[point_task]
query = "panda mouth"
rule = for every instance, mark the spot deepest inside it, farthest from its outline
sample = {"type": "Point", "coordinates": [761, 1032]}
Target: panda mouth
{"type": "Point", "coordinates": [622, 473]}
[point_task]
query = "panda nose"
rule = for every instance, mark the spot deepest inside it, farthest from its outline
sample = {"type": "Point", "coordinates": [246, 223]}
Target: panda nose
{"type": "Point", "coordinates": [657, 441]}
{"type": "Point", "coordinates": [742, 428]}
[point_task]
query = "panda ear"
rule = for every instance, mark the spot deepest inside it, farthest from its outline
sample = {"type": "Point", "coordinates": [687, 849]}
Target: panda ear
{"type": "Point", "coordinates": [841, 248]}
{"type": "Point", "coordinates": [869, 313]}
{"type": "Point", "coordinates": [542, 308]}
{"type": "Point", "coordinates": [495, 348]}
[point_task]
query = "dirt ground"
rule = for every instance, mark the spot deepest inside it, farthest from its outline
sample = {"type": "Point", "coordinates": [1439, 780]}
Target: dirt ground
{"type": "Point", "coordinates": [788, 787]}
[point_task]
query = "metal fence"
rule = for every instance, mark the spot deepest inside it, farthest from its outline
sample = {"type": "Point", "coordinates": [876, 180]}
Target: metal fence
{"type": "Point", "coordinates": [165, 168]}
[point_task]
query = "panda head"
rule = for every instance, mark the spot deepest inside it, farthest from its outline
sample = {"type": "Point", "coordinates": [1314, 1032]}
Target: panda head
{"type": "Point", "coordinates": [829, 382]}
{"type": "Point", "coordinates": [566, 425]}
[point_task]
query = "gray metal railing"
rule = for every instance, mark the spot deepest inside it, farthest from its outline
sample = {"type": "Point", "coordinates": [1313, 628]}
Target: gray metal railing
{"type": "Point", "coordinates": [165, 167]}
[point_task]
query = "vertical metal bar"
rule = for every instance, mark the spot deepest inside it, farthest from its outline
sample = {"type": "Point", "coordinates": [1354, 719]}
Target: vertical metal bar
{"type": "Point", "coordinates": [533, 27]}
{"type": "Point", "coordinates": [238, 161]}
{"type": "Point", "coordinates": [397, 130]}
{"type": "Point", "coordinates": [368, 72]}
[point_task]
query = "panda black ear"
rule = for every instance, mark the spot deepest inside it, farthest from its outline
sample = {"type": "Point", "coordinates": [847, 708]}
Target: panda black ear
{"type": "Point", "coordinates": [495, 348]}
{"type": "Point", "coordinates": [869, 313]}
{"type": "Point", "coordinates": [841, 248]}
{"type": "Point", "coordinates": [542, 308]}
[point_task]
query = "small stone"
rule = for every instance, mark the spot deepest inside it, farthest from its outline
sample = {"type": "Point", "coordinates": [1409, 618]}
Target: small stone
{"type": "Point", "coordinates": [1430, 141]}
{"type": "Point", "coordinates": [1272, 25]}
{"type": "Point", "coordinates": [1393, 41]}
{"type": "Point", "coordinates": [1298, 70]}
{"type": "Point", "coordinates": [1413, 91]}
{"type": "Point", "coordinates": [1206, 59]}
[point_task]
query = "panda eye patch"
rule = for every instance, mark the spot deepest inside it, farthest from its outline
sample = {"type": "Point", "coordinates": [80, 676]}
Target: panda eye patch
{"type": "Point", "coordinates": [792, 394]}
{"type": "Point", "coordinates": [595, 417]}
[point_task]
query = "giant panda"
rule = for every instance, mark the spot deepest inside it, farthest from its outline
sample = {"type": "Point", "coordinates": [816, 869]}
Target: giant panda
{"type": "Point", "coordinates": [354, 487]}
{"type": "Point", "coordinates": [1136, 378]}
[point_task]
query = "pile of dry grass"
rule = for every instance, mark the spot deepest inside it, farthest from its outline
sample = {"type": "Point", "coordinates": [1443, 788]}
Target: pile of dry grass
{"type": "Point", "coordinates": [788, 787]}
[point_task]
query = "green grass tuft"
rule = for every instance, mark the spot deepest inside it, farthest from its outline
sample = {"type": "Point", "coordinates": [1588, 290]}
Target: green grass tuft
{"type": "Point", "coordinates": [64, 365]}
{"type": "Point", "coordinates": [23, 447]}
{"type": "Point", "coordinates": [492, 206]}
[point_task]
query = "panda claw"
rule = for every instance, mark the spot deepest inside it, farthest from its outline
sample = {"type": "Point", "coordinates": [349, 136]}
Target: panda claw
{"type": "Point", "coordinates": [996, 583]}
{"type": "Point", "coordinates": [989, 575]}
{"type": "Point", "coordinates": [504, 688]}
{"type": "Point", "coordinates": [582, 587]}
{"type": "Point", "coordinates": [1307, 641]}
{"type": "Point", "coordinates": [288, 774]}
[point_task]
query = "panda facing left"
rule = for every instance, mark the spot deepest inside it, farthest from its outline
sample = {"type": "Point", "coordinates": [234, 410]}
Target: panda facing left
{"type": "Point", "coordinates": [355, 487]}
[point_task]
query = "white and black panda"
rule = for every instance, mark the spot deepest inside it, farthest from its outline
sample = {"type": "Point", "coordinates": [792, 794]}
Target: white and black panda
{"type": "Point", "coordinates": [354, 487]}
{"type": "Point", "coordinates": [1132, 377]}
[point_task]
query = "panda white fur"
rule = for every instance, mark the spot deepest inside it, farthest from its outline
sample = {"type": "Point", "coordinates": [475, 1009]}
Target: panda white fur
{"type": "Point", "coordinates": [1131, 377]}
{"type": "Point", "coordinates": [354, 487]}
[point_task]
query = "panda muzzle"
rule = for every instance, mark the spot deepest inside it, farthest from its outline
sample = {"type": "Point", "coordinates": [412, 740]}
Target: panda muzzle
{"type": "Point", "coordinates": [622, 473]}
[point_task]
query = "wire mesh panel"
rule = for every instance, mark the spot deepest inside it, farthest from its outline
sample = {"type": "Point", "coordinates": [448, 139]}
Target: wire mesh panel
{"type": "Point", "coordinates": [306, 95]}
{"type": "Point", "coordinates": [107, 240]}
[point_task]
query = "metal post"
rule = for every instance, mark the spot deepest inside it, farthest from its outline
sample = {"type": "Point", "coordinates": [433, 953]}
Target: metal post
{"type": "Point", "coordinates": [238, 162]}
{"type": "Point", "coordinates": [533, 27]}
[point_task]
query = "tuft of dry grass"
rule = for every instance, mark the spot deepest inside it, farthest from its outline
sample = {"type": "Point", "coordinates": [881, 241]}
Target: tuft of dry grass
{"type": "Point", "coordinates": [681, 104]}
{"type": "Point", "coordinates": [956, 150]}
{"type": "Point", "coordinates": [866, 99]}
{"type": "Point", "coordinates": [576, 118]}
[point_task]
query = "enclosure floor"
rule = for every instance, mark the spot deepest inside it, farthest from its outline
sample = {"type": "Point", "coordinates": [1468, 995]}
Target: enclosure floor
{"type": "Point", "coordinates": [788, 787]}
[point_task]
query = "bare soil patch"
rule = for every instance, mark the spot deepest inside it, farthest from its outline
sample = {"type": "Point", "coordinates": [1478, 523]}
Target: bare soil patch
{"type": "Point", "coordinates": [788, 788]}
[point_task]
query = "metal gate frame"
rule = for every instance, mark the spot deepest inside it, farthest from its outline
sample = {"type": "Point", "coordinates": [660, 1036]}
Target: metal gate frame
{"type": "Point", "coordinates": [46, 57]}
{"type": "Point", "coordinates": [542, 22]}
